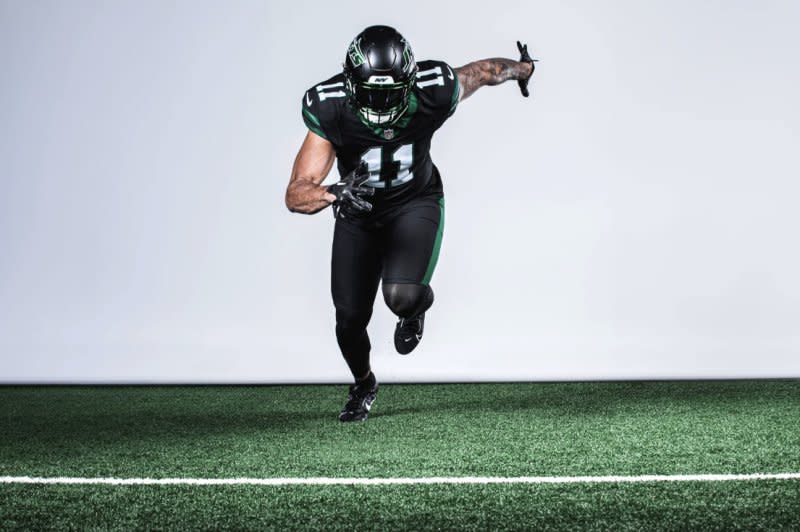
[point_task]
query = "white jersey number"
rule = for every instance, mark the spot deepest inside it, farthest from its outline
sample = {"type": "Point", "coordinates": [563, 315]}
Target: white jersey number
{"type": "Point", "coordinates": [437, 80]}
{"type": "Point", "coordinates": [329, 91]}
{"type": "Point", "coordinates": [404, 155]}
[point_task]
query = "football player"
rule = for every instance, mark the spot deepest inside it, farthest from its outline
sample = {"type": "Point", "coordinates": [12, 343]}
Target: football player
{"type": "Point", "coordinates": [376, 118]}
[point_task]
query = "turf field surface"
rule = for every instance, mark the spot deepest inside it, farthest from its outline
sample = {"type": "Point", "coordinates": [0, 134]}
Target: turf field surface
{"type": "Point", "coordinates": [415, 431]}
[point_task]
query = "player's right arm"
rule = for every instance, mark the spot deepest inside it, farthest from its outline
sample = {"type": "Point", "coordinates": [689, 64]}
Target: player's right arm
{"type": "Point", "coordinates": [311, 166]}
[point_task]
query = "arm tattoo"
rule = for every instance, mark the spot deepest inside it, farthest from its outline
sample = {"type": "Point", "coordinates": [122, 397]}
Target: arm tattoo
{"type": "Point", "coordinates": [475, 75]}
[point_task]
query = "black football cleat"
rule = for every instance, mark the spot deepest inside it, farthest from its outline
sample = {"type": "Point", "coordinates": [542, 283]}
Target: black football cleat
{"type": "Point", "coordinates": [408, 333]}
{"type": "Point", "coordinates": [359, 402]}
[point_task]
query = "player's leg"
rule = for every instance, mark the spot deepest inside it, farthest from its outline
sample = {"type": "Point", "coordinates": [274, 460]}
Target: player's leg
{"type": "Point", "coordinates": [412, 244]}
{"type": "Point", "coordinates": [355, 274]}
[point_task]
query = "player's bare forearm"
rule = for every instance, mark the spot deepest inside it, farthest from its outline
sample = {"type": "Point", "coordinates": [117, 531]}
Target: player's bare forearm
{"type": "Point", "coordinates": [305, 194]}
{"type": "Point", "coordinates": [495, 71]}
{"type": "Point", "coordinates": [306, 197]}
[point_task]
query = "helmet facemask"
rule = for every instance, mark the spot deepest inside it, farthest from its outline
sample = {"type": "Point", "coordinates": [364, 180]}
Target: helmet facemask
{"type": "Point", "coordinates": [380, 103]}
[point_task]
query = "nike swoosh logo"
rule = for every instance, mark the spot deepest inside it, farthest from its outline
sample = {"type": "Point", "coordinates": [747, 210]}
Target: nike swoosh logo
{"type": "Point", "coordinates": [308, 100]}
{"type": "Point", "coordinates": [449, 73]}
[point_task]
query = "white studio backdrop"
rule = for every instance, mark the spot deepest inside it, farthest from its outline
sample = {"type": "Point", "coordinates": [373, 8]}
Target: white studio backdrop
{"type": "Point", "coordinates": [636, 218]}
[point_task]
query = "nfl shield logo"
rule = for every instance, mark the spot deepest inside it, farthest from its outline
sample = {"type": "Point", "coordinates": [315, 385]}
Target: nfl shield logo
{"type": "Point", "coordinates": [388, 134]}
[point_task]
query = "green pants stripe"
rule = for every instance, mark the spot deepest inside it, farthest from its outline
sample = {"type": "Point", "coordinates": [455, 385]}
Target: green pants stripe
{"type": "Point", "coordinates": [437, 245]}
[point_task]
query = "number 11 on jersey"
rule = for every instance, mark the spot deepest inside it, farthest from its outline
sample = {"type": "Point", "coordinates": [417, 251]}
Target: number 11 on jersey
{"type": "Point", "coordinates": [398, 170]}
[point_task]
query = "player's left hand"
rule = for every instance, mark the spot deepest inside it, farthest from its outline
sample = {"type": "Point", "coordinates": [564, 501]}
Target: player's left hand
{"type": "Point", "coordinates": [525, 58]}
{"type": "Point", "coordinates": [349, 192]}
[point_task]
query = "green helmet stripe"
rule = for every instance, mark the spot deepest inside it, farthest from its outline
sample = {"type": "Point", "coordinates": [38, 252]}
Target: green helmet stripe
{"type": "Point", "coordinates": [355, 53]}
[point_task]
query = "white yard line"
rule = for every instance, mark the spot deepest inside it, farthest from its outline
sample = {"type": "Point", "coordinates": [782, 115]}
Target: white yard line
{"type": "Point", "coordinates": [328, 481]}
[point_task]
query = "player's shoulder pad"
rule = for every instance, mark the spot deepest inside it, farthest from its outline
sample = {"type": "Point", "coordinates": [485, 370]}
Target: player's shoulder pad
{"type": "Point", "coordinates": [322, 104]}
{"type": "Point", "coordinates": [437, 82]}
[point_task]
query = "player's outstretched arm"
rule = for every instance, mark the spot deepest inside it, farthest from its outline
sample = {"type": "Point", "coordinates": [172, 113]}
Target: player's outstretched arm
{"type": "Point", "coordinates": [495, 71]}
{"type": "Point", "coordinates": [311, 166]}
{"type": "Point", "coordinates": [475, 75]}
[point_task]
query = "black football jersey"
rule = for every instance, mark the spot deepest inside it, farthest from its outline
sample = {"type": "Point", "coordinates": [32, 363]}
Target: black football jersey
{"type": "Point", "coordinates": [398, 155]}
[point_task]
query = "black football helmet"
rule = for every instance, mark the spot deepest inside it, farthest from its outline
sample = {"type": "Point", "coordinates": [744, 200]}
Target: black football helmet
{"type": "Point", "coordinates": [379, 73]}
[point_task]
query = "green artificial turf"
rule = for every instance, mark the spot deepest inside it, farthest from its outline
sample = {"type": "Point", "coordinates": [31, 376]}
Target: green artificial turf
{"type": "Point", "coordinates": [563, 429]}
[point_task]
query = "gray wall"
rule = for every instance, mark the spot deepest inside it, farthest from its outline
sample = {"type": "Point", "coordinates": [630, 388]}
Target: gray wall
{"type": "Point", "coordinates": [637, 218]}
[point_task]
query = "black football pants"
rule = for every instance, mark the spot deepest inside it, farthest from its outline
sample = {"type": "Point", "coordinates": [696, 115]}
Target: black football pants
{"type": "Point", "coordinates": [399, 247]}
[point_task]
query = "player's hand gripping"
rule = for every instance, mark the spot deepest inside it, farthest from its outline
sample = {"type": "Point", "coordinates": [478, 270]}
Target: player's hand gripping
{"type": "Point", "coordinates": [349, 192]}
{"type": "Point", "coordinates": [525, 58]}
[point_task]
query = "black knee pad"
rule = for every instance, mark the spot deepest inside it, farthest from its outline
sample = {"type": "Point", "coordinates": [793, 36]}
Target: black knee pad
{"type": "Point", "coordinates": [407, 299]}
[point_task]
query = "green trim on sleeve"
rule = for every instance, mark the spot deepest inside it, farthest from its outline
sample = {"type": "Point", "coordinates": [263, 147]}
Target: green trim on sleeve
{"type": "Point", "coordinates": [312, 123]}
{"type": "Point", "coordinates": [456, 94]}
{"type": "Point", "coordinates": [318, 132]}
{"type": "Point", "coordinates": [310, 116]}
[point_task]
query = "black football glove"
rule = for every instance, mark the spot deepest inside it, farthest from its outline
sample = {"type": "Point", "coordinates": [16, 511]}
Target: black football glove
{"type": "Point", "coordinates": [525, 58]}
{"type": "Point", "coordinates": [349, 192]}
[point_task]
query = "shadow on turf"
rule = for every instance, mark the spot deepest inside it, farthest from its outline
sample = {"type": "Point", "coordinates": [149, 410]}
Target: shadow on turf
{"type": "Point", "coordinates": [85, 418]}
{"type": "Point", "coordinates": [63, 419]}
